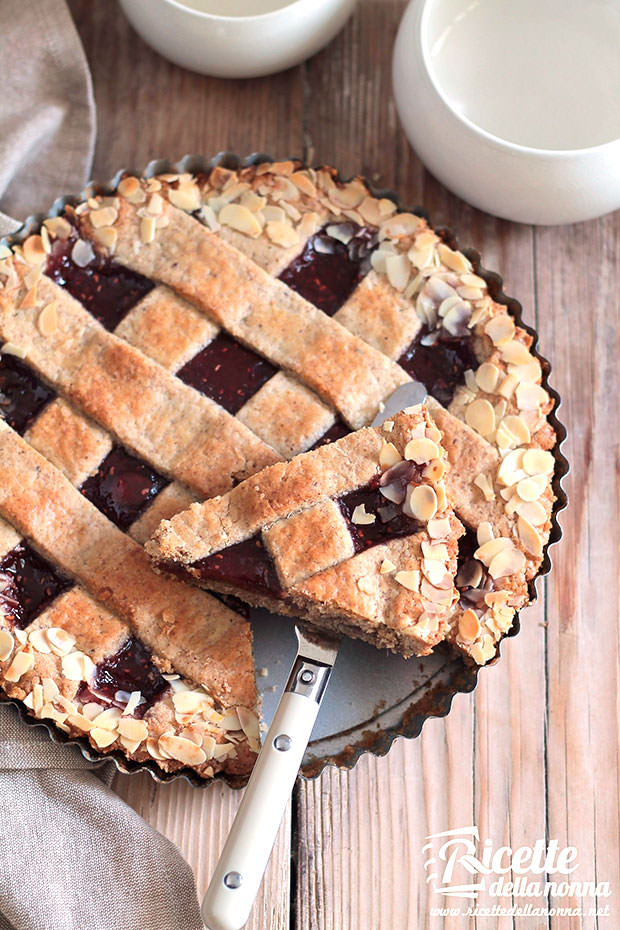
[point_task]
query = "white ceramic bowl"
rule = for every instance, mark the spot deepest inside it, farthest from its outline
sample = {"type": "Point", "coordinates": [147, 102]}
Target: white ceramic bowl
{"type": "Point", "coordinates": [237, 46]}
{"type": "Point", "coordinates": [515, 104]}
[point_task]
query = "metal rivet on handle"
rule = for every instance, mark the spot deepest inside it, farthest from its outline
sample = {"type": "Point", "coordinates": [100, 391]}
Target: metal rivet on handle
{"type": "Point", "coordinates": [307, 676]}
{"type": "Point", "coordinates": [282, 742]}
{"type": "Point", "coordinates": [233, 880]}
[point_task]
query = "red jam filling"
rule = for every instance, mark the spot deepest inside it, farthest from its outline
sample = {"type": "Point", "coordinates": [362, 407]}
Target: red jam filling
{"type": "Point", "coordinates": [106, 289]}
{"type": "Point", "coordinates": [27, 585]}
{"type": "Point", "coordinates": [129, 669]}
{"type": "Point", "coordinates": [328, 270]}
{"type": "Point", "coordinates": [22, 394]}
{"type": "Point", "coordinates": [122, 487]}
{"type": "Point", "coordinates": [390, 520]}
{"type": "Point", "coordinates": [246, 565]}
{"type": "Point", "coordinates": [440, 366]}
{"type": "Point", "coordinates": [227, 372]}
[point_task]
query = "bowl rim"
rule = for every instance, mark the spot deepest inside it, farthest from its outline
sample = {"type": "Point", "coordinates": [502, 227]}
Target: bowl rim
{"type": "Point", "coordinates": [182, 8]}
{"type": "Point", "coordinates": [486, 136]}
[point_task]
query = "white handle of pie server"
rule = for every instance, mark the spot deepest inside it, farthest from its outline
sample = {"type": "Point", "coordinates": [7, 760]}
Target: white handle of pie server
{"type": "Point", "coordinates": [235, 883]}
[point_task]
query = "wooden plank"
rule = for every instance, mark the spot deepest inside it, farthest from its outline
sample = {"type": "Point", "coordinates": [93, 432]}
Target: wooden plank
{"type": "Point", "coordinates": [579, 282]}
{"type": "Point", "coordinates": [198, 821]}
{"type": "Point", "coordinates": [149, 108]}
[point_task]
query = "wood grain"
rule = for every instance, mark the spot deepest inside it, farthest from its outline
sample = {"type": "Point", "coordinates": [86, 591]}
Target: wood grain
{"type": "Point", "coordinates": [534, 752]}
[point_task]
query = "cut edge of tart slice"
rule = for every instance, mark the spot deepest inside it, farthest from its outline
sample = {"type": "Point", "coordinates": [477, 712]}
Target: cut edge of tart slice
{"type": "Point", "coordinates": [356, 536]}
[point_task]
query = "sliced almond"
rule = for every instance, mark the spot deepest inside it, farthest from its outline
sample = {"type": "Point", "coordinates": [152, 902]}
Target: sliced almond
{"type": "Point", "coordinates": [107, 236]}
{"type": "Point", "coordinates": [108, 719]}
{"type": "Point", "coordinates": [515, 353]}
{"type": "Point", "coordinates": [134, 700]}
{"type": "Point", "coordinates": [249, 723]}
{"type": "Point", "coordinates": [421, 450]}
{"type": "Point", "coordinates": [421, 502]}
{"type": "Point", "coordinates": [128, 187]}
{"type": "Point", "coordinates": [23, 662]}
{"type": "Point", "coordinates": [189, 702]}
{"type": "Point", "coordinates": [500, 329]}
{"type": "Point", "coordinates": [153, 750]}
{"type": "Point", "coordinates": [488, 550]}
{"type": "Point", "coordinates": [181, 749]}
{"type": "Point", "coordinates": [538, 462]}
{"type": "Point", "coordinates": [58, 227]}
{"type": "Point", "coordinates": [531, 539]}
{"type": "Point", "coordinates": [148, 228]}
{"type": "Point", "coordinates": [102, 738]}
{"type": "Point", "coordinates": [456, 261]}
{"type": "Point", "coordinates": [483, 651]}
{"type": "Point", "coordinates": [398, 271]}
{"type": "Point", "coordinates": [282, 234]}
{"type": "Point", "coordinates": [59, 640]}
{"type": "Point", "coordinates": [387, 566]}
{"type": "Point", "coordinates": [480, 416]}
{"type": "Point", "coordinates": [33, 250]}
{"type": "Point", "coordinates": [487, 377]}
{"type": "Point", "coordinates": [7, 644]}
{"type": "Point", "coordinates": [389, 455]}
{"type": "Point", "coordinates": [519, 429]}
{"type": "Point", "coordinates": [105, 216]}
{"type": "Point", "coordinates": [486, 486]}
{"type": "Point", "coordinates": [439, 528]}
{"type": "Point", "coordinates": [510, 467]}
{"type": "Point", "coordinates": [408, 579]}
{"type": "Point", "coordinates": [437, 573]}
{"type": "Point", "coordinates": [532, 511]}
{"type": "Point", "coordinates": [185, 197]}
{"type": "Point", "coordinates": [47, 322]}
{"type": "Point", "coordinates": [241, 219]}
{"type": "Point", "coordinates": [530, 489]}
{"type": "Point", "coordinates": [38, 640]}
{"type": "Point", "coordinates": [50, 689]}
{"type": "Point", "coordinates": [136, 730]}
{"type": "Point", "coordinates": [361, 517]}
{"type": "Point", "coordinates": [77, 666]}
{"type": "Point", "coordinates": [484, 533]}
{"type": "Point", "coordinates": [80, 722]}
{"type": "Point", "coordinates": [469, 626]}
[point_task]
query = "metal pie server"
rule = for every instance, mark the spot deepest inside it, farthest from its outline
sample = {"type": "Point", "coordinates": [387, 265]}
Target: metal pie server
{"type": "Point", "coordinates": [239, 872]}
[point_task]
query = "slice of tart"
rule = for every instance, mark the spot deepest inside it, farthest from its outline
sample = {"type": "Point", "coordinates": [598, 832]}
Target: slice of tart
{"type": "Point", "coordinates": [95, 642]}
{"type": "Point", "coordinates": [357, 536]}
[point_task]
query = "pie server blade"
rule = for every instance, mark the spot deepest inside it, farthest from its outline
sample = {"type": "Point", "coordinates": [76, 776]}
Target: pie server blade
{"type": "Point", "coordinates": [239, 872]}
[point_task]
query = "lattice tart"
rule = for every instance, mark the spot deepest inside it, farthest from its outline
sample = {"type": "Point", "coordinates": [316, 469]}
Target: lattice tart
{"type": "Point", "coordinates": [165, 341]}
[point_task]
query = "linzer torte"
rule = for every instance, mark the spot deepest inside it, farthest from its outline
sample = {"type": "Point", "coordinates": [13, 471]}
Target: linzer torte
{"type": "Point", "coordinates": [166, 342]}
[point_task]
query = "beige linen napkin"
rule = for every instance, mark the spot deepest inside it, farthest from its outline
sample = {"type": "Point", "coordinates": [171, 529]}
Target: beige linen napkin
{"type": "Point", "coordinates": [73, 856]}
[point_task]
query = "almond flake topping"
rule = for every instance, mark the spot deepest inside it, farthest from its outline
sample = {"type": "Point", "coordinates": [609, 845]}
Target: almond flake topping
{"type": "Point", "coordinates": [389, 454]}
{"type": "Point", "coordinates": [77, 666]}
{"type": "Point", "coordinates": [185, 197]}
{"type": "Point", "coordinates": [500, 329]}
{"type": "Point", "coordinates": [134, 699]}
{"type": "Point", "coordinates": [361, 517]}
{"type": "Point", "coordinates": [282, 234]}
{"type": "Point", "coordinates": [241, 219]}
{"type": "Point", "coordinates": [33, 250]}
{"type": "Point", "coordinates": [60, 641]}
{"type": "Point", "coordinates": [182, 749]}
{"type": "Point", "coordinates": [480, 415]}
{"type": "Point", "coordinates": [421, 450]}
{"type": "Point", "coordinates": [420, 503]}
{"type": "Point", "coordinates": [469, 626]}
{"type": "Point", "coordinates": [10, 348]}
{"type": "Point", "coordinates": [387, 566]}
{"type": "Point", "coordinates": [22, 663]}
{"type": "Point", "coordinates": [38, 640]}
{"type": "Point", "coordinates": [531, 539]}
{"type": "Point", "coordinates": [439, 528]}
{"type": "Point", "coordinates": [409, 579]}
{"type": "Point", "coordinates": [6, 644]}
{"type": "Point", "coordinates": [48, 319]}
{"type": "Point", "coordinates": [102, 738]}
{"type": "Point", "coordinates": [484, 650]}
{"type": "Point", "coordinates": [531, 396]}
{"type": "Point", "coordinates": [538, 462]}
{"type": "Point", "coordinates": [136, 730]}
{"type": "Point", "coordinates": [487, 377]}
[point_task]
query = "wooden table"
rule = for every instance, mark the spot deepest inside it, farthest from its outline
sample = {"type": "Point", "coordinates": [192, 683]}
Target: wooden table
{"type": "Point", "coordinates": [533, 753]}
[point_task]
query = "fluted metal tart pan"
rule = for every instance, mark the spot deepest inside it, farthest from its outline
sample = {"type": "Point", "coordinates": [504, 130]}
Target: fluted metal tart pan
{"type": "Point", "coordinates": [374, 696]}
